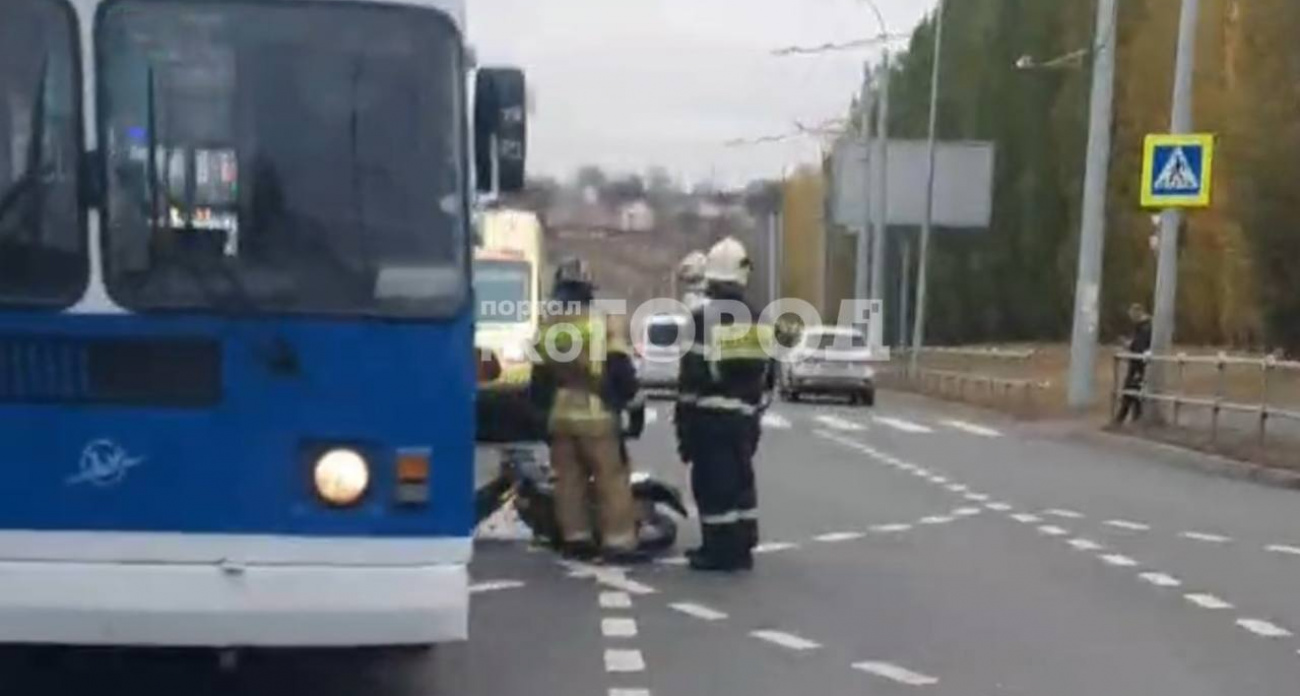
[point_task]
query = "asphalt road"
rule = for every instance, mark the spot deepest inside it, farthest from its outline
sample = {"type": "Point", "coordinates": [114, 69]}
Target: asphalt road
{"type": "Point", "coordinates": [908, 549]}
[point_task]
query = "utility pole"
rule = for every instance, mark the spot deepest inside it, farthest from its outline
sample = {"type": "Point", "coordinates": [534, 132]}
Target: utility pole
{"type": "Point", "coordinates": [773, 265]}
{"type": "Point", "coordinates": [904, 290]}
{"type": "Point", "coordinates": [881, 207]}
{"type": "Point", "coordinates": [918, 328]}
{"type": "Point", "coordinates": [1092, 236]}
{"type": "Point", "coordinates": [862, 268]}
{"type": "Point", "coordinates": [1166, 300]}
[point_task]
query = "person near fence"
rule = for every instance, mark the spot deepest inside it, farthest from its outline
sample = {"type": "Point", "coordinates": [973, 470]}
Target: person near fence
{"type": "Point", "coordinates": [1139, 344]}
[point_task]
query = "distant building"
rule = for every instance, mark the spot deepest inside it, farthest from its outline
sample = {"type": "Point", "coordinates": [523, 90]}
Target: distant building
{"type": "Point", "coordinates": [636, 216]}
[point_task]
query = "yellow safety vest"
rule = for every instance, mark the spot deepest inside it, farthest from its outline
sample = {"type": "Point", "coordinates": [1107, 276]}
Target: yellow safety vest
{"type": "Point", "coordinates": [738, 342]}
{"type": "Point", "coordinates": [578, 408]}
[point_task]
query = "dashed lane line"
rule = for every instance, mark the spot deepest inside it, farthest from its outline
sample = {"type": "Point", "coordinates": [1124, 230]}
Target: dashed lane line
{"type": "Point", "coordinates": [618, 627]}
{"type": "Point", "coordinates": [936, 519]}
{"type": "Point", "coordinates": [629, 692]}
{"type": "Point", "coordinates": [672, 561]}
{"type": "Point", "coordinates": [775, 421]}
{"type": "Point", "coordinates": [1161, 579]}
{"type": "Point", "coordinates": [890, 528]}
{"type": "Point", "coordinates": [1023, 518]}
{"type": "Point", "coordinates": [494, 586]}
{"type": "Point", "coordinates": [1119, 560]}
{"type": "Point", "coordinates": [1051, 530]}
{"type": "Point", "coordinates": [615, 600]}
{"type": "Point", "coordinates": [774, 547]}
{"type": "Point", "coordinates": [893, 672]}
{"type": "Point", "coordinates": [1202, 536]}
{"type": "Point", "coordinates": [957, 487]}
{"type": "Point", "coordinates": [1066, 514]}
{"type": "Point", "coordinates": [698, 611]}
{"type": "Point", "coordinates": [976, 497]}
{"type": "Point", "coordinates": [972, 428]}
{"type": "Point", "coordinates": [1265, 629]}
{"type": "Point", "coordinates": [1207, 601]}
{"type": "Point", "coordinates": [786, 640]}
{"type": "Point", "coordinates": [1284, 549]}
{"type": "Point", "coordinates": [1126, 524]}
{"type": "Point", "coordinates": [903, 425]}
{"type": "Point", "coordinates": [835, 537]}
{"type": "Point", "coordinates": [1085, 544]}
{"type": "Point", "coordinates": [840, 423]}
{"type": "Point", "coordinates": [624, 661]}
{"type": "Point", "coordinates": [998, 507]}
{"type": "Point", "coordinates": [938, 479]}
{"type": "Point", "coordinates": [966, 512]}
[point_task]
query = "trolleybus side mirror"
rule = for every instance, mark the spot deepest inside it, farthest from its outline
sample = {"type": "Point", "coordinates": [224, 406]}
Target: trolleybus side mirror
{"type": "Point", "coordinates": [500, 129]}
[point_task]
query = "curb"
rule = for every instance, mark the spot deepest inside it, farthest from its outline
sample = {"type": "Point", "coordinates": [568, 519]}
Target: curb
{"type": "Point", "coordinates": [1188, 458]}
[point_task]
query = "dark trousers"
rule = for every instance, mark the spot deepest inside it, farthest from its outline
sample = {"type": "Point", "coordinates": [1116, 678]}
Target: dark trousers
{"type": "Point", "coordinates": [722, 476]}
{"type": "Point", "coordinates": [1131, 405]}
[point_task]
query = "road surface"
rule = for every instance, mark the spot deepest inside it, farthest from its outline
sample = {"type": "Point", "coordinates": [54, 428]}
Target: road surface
{"type": "Point", "coordinates": [908, 549]}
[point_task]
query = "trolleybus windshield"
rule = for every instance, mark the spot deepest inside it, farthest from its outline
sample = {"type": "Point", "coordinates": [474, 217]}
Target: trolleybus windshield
{"type": "Point", "coordinates": [283, 157]}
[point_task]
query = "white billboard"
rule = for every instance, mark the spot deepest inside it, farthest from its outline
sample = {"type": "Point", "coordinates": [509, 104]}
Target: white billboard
{"type": "Point", "coordinates": [963, 187]}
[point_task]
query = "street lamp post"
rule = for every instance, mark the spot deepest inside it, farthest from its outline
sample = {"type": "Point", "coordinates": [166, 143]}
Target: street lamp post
{"type": "Point", "coordinates": [1162, 324]}
{"type": "Point", "coordinates": [918, 327]}
{"type": "Point", "coordinates": [1092, 236]}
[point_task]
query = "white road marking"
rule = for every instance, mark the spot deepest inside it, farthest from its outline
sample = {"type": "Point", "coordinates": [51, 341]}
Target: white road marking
{"type": "Point", "coordinates": [774, 547]}
{"type": "Point", "coordinates": [672, 561]}
{"type": "Point", "coordinates": [1282, 548]}
{"type": "Point", "coordinates": [1207, 601]}
{"type": "Point", "coordinates": [775, 421]}
{"type": "Point", "coordinates": [839, 536]}
{"type": "Point", "coordinates": [1264, 628]}
{"type": "Point", "coordinates": [494, 586]}
{"type": "Point", "coordinates": [1067, 514]}
{"type": "Point", "coordinates": [903, 425]}
{"type": "Point", "coordinates": [890, 528]}
{"type": "Point", "coordinates": [936, 519]}
{"type": "Point", "coordinates": [615, 600]}
{"type": "Point", "coordinates": [840, 423]}
{"type": "Point", "coordinates": [615, 627]}
{"type": "Point", "coordinates": [786, 640]}
{"type": "Point", "coordinates": [1131, 526]}
{"type": "Point", "coordinates": [998, 507]}
{"type": "Point", "coordinates": [629, 692]}
{"type": "Point", "coordinates": [966, 511]}
{"type": "Point", "coordinates": [1202, 536]}
{"type": "Point", "coordinates": [901, 675]}
{"type": "Point", "coordinates": [624, 661]}
{"type": "Point", "coordinates": [1161, 579]}
{"type": "Point", "coordinates": [651, 416]}
{"type": "Point", "coordinates": [1027, 519]}
{"type": "Point", "coordinates": [972, 428]}
{"type": "Point", "coordinates": [613, 578]}
{"type": "Point", "coordinates": [1051, 530]}
{"type": "Point", "coordinates": [1085, 544]}
{"type": "Point", "coordinates": [699, 611]}
{"type": "Point", "coordinates": [1122, 561]}
{"type": "Point", "coordinates": [957, 487]}
{"type": "Point", "coordinates": [938, 479]}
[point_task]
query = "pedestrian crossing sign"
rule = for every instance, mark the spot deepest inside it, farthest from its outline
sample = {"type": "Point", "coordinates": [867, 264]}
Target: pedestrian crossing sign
{"type": "Point", "coordinates": [1177, 171]}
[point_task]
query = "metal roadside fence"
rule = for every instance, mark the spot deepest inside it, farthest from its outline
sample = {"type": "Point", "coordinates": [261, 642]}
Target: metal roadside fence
{"type": "Point", "coordinates": [1271, 375]}
{"type": "Point", "coordinates": [990, 376]}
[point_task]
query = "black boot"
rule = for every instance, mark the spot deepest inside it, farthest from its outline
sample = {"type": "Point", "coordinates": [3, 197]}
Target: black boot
{"type": "Point", "coordinates": [749, 531]}
{"type": "Point", "coordinates": [722, 550]}
{"type": "Point", "coordinates": [579, 550]}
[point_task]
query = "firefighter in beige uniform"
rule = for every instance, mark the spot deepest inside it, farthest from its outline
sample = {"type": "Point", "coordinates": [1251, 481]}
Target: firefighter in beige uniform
{"type": "Point", "coordinates": [585, 379]}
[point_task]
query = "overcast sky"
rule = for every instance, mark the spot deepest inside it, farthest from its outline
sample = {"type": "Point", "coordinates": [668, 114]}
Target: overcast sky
{"type": "Point", "coordinates": [628, 84]}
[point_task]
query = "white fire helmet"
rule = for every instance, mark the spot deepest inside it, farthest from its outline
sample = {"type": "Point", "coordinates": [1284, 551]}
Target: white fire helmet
{"type": "Point", "coordinates": [727, 263]}
{"type": "Point", "coordinates": [691, 270]}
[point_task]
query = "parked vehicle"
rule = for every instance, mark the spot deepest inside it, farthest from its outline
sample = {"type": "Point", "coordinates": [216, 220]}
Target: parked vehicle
{"type": "Point", "coordinates": [830, 360]}
{"type": "Point", "coordinates": [658, 355]}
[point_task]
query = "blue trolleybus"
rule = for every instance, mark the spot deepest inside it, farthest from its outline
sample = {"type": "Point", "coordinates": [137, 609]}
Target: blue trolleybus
{"type": "Point", "coordinates": [236, 326]}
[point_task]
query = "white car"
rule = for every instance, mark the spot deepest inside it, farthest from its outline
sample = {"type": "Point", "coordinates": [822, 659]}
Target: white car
{"type": "Point", "coordinates": [830, 360]}
{"type": "Point", "coordinates": [658, 351]}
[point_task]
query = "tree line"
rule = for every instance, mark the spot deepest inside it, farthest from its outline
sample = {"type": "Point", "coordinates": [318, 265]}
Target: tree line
{"type": "Point", "coordinates": [1240, 260]}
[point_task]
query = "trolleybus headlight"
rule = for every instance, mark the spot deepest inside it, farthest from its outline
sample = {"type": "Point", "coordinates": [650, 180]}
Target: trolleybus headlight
{"type": "Point", "coordinates": [341, 476]}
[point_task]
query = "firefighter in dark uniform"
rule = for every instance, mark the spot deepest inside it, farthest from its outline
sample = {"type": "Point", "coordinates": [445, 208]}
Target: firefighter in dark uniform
{"type": "Point", "coordinates": [725, 382]}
